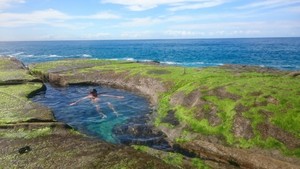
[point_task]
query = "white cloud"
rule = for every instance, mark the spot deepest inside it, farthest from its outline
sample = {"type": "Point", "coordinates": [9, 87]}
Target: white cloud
{"type": "Point", "coordinates": [206, 4]}
{"type": "Point", "coordinates": [238, 29]}
{"type": "Point", "coordinates": [100, 15]}
{"type": "Point", "coordinates": [102, 35]}
{"type": "Point", "coordinates": [37, 17]}
{"type": "Point", "coordinates": [146, 34]}
{"type": "Point", "coordinates": [269, 4]}
{"type": "Point", "coordinates": [4, 4]}
{"type": "Point", "coordinates": [49, 17]}
{"type": "Point", "coordinates": [174, 5]}
{"type": "Point", "coordinates": [141, 22]}
{"type": "Point", "coordinates": [183, 33]}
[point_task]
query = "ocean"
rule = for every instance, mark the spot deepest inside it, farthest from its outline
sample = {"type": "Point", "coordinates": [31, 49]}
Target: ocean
{"type": "Point", "coordinates": [280, 53]}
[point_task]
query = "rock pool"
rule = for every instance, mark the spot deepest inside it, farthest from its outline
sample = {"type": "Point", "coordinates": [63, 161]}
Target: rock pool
{"type": "Point", "coordinates": [130, 127]}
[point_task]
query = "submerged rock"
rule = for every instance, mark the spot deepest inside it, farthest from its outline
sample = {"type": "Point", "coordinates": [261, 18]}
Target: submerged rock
{"type": "Point", "coordinates": [137, 131]}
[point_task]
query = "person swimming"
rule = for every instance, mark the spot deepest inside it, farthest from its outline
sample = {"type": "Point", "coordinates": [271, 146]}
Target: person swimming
{"type": "Point", "coordinates": [94, 98]}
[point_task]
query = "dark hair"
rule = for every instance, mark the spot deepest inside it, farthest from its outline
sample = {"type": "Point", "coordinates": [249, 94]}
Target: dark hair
{"type": "Point", "coordinates": [94, 92]}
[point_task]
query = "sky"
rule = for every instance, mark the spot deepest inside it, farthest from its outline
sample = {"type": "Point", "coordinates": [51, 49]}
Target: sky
{"type": "Point", "coordinates": [147, 19]}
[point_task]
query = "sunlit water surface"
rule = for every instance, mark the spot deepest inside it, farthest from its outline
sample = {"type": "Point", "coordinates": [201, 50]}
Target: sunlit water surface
{"type": "Point", "coordinates": [84, 116]}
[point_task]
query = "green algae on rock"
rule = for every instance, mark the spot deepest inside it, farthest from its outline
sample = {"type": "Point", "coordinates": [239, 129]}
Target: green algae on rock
{"type": "Point", "coordinates": [16, 107]}
{"type": "Point", "coordinates": [27, 124]}
{"type": "Point", "coordinates": [233, 106]}
{"type": "Point", "coordinates": [13, 71]}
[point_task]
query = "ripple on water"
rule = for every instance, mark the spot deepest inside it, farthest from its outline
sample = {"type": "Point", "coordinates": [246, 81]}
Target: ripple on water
{"type": "Point", "coordinates": [134, 110]}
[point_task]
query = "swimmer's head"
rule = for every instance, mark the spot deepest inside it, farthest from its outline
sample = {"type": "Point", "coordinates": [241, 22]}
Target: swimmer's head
{"type": "Point", "coordinates": [94, 92]}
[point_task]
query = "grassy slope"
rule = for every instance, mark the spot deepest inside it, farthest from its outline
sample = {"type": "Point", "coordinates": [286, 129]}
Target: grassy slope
{"type": "Point", "coordinates": [285, 113]}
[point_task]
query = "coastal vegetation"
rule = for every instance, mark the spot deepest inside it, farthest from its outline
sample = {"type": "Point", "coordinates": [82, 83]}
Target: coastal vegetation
{"type": "Point", "coordinates": [244, 107]}
{"type": "Point", "coordinates": [230, 115]}
{"type": "Point", "coordinates": [30, 136]}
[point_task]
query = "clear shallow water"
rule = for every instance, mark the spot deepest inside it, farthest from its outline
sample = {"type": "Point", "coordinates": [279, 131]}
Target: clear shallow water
{"type": "Point", "coordinates": [281, 53]}
{"type": "Point", "coordinates": [84, 116]}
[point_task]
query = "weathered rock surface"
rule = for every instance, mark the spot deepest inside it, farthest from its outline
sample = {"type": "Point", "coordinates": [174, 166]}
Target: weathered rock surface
{"type": "Point", "coordinates": [12, 71]}
{"type": "Point", "coordinates": [208, 106]}
{"type": "Point", "coordinates": [239, 157]}
{"type": "Point", "coordinates": [63, 149]}
{"type": "Point", "coordinates": [30, 137]}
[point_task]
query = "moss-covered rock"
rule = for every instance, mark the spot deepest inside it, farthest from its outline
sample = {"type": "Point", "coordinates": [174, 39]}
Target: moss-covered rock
{"type": "Point", "coordinates": [16, 107]}
{"type": "Point", "coordinates": [31, 138]}
{"type": "Point", "coordinates": [13, 71]}
{"type": "Point", "coordinates": [57, 148]}
{"type": "Point", "coordinates": [238, 107]}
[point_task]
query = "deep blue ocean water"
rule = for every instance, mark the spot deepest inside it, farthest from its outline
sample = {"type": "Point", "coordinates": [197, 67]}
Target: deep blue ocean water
{"type": "Point", "coordinates": [281, 53]}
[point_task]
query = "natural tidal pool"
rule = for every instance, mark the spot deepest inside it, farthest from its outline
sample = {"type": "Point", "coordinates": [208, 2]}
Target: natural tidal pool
{"type": "Point", "coordinates": [129, 127]}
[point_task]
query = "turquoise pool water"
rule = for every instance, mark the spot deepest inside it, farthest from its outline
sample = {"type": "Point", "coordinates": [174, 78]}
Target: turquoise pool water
{"type": "Point", "coordinates": [133, 110]}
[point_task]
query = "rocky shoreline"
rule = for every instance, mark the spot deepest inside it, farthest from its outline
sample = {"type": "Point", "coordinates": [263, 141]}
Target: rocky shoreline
{"type": "Point", "coordinates": [174, 92]}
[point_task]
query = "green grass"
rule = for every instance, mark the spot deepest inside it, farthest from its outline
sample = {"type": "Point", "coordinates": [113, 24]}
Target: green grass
{"type": "Point", "coordinates": [274, 93]}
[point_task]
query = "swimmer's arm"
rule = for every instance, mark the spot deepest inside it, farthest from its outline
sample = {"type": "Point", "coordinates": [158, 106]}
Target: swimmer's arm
{"type": "Point", "coordinates": [71, 104]}
{"type": "Point", "coordinates": [107, 95]}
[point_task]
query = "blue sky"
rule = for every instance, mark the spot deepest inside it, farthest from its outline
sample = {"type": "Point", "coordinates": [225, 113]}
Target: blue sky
{"type": "Point", "coordinates": [147, 19]}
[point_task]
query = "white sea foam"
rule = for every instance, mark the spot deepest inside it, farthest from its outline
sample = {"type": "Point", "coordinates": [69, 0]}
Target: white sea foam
{"type": "Point", "coordinates": [113, 59]}
{"type": "Point", "coordinates": [86, 55]}
{"type": "Point", "coordinates": [54, 56]}
{"type": "Point", "coordinates": [17, 54]}
{"type": "Point", "coordinates": [146, 60]}
{"type": "Point", "coordinates": [129, 59]}
{"type": "Point", "coordinates": [170, 63]}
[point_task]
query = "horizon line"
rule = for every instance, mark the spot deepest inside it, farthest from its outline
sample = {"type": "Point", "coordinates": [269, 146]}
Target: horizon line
{"type": "Point", "coordinates": [149, 39]}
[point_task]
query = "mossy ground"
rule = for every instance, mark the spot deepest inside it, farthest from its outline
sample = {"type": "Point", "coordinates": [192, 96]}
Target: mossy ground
{"type": "Point", "coordinates": [175, 159]}
{"type": "Point", "coordinates": [12, 70]}
{"type": "Point", "coordinates": [27, 124]}
{"type": "Point", "coordinates": [257, 92]}
{"type": "Point", "coordinates": [14, 104]}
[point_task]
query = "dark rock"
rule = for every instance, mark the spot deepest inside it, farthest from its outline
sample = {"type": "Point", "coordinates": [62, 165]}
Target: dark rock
{"type": "Point", "coordinates": [25, 149]}
{"type": "Point", "coordinates": [170, 118]}
{"type": "Point", "coordinates": [294, 74]}
{"type": "Point", "coordinates": [140, 134]}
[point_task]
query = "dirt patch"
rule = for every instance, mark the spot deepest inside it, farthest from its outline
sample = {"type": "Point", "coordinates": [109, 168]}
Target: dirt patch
{"type": "Point", "coordinates": [257, 93]}
{"type": "Point", "coordinates": [241, 125]}
{"type": "Point", "coordinates": [221, 93]}
{"type": "Point", "coordinates": [272, 100]}
{"type": "Point", "coordinates": [212, 117]}
{"type": "Point", "coordinates": [265, 113]}
{"type": "Point", "coordinates": [269, 130]}
{"type": "Point", "coordinates": [190, 100]}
